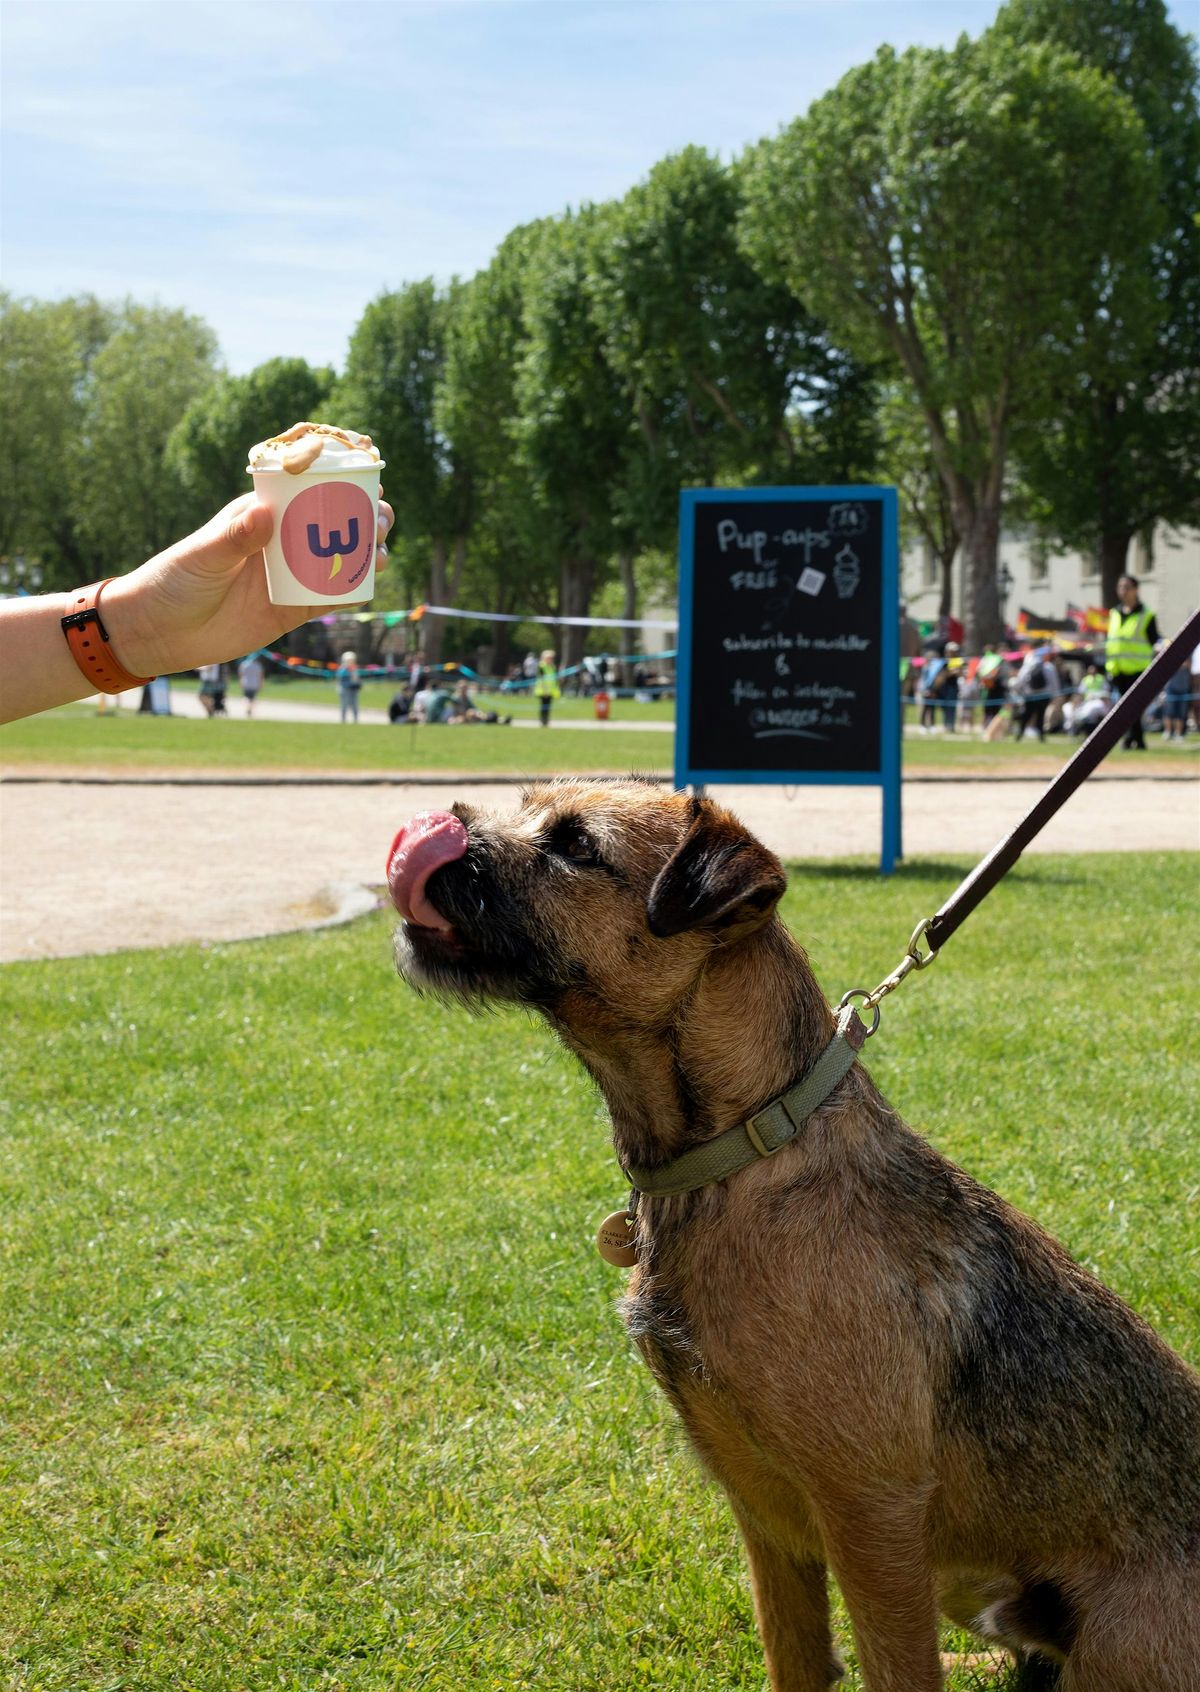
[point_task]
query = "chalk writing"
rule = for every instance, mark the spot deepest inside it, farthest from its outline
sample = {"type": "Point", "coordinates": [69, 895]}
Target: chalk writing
{"type": "Point", "coordinates": [785, 632]}
{"type": "Point", "coordinates": [848, 519]}
{"type": "Point", "coordinates": [806, 538]}
{"type": "Point", "coordinates": [760, 579]}
{"type": "Point", "coordinates": [752, 540]}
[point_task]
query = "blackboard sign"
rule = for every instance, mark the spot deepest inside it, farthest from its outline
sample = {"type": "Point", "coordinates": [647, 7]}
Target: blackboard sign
{"type": "Point", "coordinates": [789, 640]}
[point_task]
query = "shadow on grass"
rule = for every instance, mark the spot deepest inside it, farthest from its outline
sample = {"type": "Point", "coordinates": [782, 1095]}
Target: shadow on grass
{"type": "Point", "coordinates": [918, 869]}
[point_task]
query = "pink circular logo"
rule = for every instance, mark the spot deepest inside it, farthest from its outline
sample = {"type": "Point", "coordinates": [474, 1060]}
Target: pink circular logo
{"type": "Point", "coordinates": [328, 537]}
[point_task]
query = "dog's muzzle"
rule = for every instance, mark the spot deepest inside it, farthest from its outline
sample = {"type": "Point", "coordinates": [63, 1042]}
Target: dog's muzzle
{"type": "Point", "coordinates": [423, 845]}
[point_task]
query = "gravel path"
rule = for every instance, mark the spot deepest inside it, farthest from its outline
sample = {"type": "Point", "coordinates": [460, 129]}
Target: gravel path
{"type": "Point", "coordinates": [90, 868]}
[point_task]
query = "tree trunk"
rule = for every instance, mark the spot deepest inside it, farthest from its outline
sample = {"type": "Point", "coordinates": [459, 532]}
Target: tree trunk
{"type": "Point", "coordinates": [981, 598]}
{"type": "Point", "coordinates": [946, 561]}
{"type": "Point", "coordinates": [433, 628]}
{"type": "Point", "coordinates": [1113, 554]}
{"type": "Point", "coordinates": [501, 639]}
{"type": "Point", "coordinates": [628, 609]}
{"type": "Point", "coordinates": [501, 649]}
{"type": "Point", "coordinates": [378, 635]}
{"type": "Point", "coordinates": [574, 600]}
{"type": "Point", "coordinates": [460, 558]}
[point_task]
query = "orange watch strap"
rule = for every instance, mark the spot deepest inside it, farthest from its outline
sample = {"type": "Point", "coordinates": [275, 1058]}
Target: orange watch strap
{"type": "Point", "coordinates": [88, 639]}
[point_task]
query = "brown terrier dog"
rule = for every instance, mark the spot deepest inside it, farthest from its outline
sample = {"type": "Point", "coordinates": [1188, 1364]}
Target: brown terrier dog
{"type": "Point", "coordinates": [894, 1375]}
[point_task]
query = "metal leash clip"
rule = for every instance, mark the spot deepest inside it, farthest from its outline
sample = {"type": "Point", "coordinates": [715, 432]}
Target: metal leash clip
{"type": "Point", "coordinates": [912, 959]}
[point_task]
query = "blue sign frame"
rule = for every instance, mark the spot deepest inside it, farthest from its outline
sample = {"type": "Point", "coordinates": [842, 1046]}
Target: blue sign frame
{"type": "Point", "coordinates": [887, 776]}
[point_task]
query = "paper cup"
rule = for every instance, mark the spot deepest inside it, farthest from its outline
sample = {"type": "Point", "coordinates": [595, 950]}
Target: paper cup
{"type": "Point", "coordinates": [323, 549]}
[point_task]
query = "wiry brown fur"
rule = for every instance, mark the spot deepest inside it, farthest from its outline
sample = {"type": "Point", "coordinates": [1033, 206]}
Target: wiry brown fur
{"type": "Point", "coordinates": [894, 1375]}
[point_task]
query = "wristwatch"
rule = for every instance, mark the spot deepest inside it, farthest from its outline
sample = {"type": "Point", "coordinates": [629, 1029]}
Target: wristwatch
{"type": "Point", "coordinates": [88, 639]}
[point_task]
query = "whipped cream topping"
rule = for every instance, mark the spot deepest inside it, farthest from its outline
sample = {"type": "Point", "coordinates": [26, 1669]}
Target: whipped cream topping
{"type": "Point", "coordinates": [315, 446]}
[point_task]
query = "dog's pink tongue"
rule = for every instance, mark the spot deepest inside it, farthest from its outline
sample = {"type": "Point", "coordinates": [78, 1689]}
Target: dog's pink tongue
{"type": "Point", "coordinates": [426, 843]}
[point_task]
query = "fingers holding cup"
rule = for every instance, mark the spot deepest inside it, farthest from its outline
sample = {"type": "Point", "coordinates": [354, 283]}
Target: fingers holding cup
{"type": "Point", "coordinates": [383, 526]}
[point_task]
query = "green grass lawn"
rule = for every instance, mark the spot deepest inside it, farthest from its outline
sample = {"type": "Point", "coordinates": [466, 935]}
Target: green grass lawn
{"type": "Point", "coordinates": [310, 1374]}
{"type": "Point", "coordinates": [77, 736]}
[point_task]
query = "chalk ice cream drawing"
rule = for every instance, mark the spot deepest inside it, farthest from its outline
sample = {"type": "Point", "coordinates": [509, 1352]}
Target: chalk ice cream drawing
{"type": "Point", "coordinates": [847, 572]}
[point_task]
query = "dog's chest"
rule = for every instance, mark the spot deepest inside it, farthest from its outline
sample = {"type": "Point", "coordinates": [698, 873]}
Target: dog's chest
{"type": "Point", "coordinates": [658, 1324]}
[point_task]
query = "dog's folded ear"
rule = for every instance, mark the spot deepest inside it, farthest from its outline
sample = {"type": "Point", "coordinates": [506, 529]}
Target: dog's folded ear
{"type": "Point", "coordinates": [720, 877]}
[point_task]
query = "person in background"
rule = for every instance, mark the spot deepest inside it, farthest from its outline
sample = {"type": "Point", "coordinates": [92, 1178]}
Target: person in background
{"type": "Point", "coordinates": [927, 690]}
{"type": "Point", "coordinates": [463, 709]}
{"type": "Point", "coordinates": [440, 701]}
{"type": "Point", "coordinates": [1175, 702]}
{"type": "Point", "coordinates": [212, 689]}
{"type": "Point", "coordinates": [1132, 637]}
{"type": "Point", "coordinates": [947, 686]}
{"type": "Point", "coordinates": [251, 675]}
{"type": "Point", "coordinates": [546, 689]}
{"type": "Point", "coordinates": [1030, 691]}
{"type": "Point", "coordinates": [462, 706]}
{"type": "Point", "coordinates": [432, 703]}
{"type": "Point", "coordinates": [203, 600]}
{"type": "Point", "coordinates": [991, 673]}
{"type": "Point", "coordinates": [1093, 684]}
{"type": "Point", "coordinates": [349, 680]}
{"type": "Point", "coordinates": [1052, 687]}
{"type": "Point", "coordinates": [970, 692]}
{"type": "Point", "coordinates": [418, 671]}
{"type": "Point", "coordinates": [1089, 705]}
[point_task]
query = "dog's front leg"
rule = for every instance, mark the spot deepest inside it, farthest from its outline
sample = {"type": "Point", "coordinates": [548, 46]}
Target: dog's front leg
{"type": "Point", "coordinates": [877, 1550]}
{"type": "Point", "coordinates": [791, 1601]}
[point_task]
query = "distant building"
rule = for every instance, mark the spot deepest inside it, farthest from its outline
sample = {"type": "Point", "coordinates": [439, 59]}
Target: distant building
{"type": "Point", "coordinates": [1167, 564]}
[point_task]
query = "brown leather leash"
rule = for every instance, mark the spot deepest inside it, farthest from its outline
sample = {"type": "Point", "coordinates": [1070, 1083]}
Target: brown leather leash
{"type": "Point", "coordinates": [970, 892]}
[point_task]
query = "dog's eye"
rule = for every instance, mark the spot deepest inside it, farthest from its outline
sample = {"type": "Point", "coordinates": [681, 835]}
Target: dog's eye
{"type": "Point", "coordinates": [567, 839]}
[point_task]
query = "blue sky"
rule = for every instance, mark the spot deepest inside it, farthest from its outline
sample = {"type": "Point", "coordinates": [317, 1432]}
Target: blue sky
{"type": "Point", "coordinates": [272, 167]}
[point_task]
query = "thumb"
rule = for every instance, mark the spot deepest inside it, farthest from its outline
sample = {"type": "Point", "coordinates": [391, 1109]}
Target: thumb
{"type": "Point", "coordinates": [243, 527]}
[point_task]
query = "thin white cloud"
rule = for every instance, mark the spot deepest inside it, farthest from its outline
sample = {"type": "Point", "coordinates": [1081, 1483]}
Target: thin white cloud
{"type": "Point", "coordinates": [273, 171]}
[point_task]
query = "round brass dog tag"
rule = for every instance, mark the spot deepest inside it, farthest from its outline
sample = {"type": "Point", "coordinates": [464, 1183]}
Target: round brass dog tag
{"type": "Point", "coordinates": [614, 1240]}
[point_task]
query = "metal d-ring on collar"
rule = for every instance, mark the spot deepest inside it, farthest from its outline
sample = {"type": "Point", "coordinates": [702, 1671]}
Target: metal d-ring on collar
{"type": "Point", "coordinates": [779, 1122]}
{"type": "Point", "coordinates": [912, 959]}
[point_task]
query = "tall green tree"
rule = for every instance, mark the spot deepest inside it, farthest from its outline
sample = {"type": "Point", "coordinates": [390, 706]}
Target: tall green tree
{"type": "Point", "coordinates": [723, 367]}
{"type": "Point", "coordinates": [1119, 448]}
{"type": "Point", "coordinates": [511, 559]}
{"type": "Point", "coordinates": [389, 389]}
{"type": "Point", "coordinates": [573, 424]}
{"type": "Point", "coordinates": [727, 377]}
{"type": "Point", "coordinates": [907, 460]}
{"type": "Point", "coordinates": [208, 446]}
{"type": "Point", "coordinates": [948, 212]}
{"type": "Point", "coordinates": [129, 502]}
{"type": "Point", "coordinates": [46, 353]}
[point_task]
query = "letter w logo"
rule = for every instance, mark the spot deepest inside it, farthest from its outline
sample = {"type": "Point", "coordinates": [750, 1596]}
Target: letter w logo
{"type": "Point", "coordinates": [336, 543]}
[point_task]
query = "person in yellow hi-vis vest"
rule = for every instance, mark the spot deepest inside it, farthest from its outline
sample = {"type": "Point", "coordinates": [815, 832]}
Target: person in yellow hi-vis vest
{"type": "Point", "coordinates": [1132, 633]}
{"type": "Point", "coordinates": [545, 688]}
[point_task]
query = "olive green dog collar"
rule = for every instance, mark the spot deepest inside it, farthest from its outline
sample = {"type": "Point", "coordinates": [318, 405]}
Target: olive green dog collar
{"type": "Point", "coordinates": [764, 1133]}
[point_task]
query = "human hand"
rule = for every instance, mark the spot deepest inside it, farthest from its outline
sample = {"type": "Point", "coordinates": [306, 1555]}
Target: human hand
{"type": "Point", "coordinates": [204, 600]}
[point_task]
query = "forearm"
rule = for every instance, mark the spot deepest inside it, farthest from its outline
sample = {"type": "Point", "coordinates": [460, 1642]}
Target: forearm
{"type": "Point", "coordinates": [202, 601]}
{"type": "Point", "coordinates": [37, 669]}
